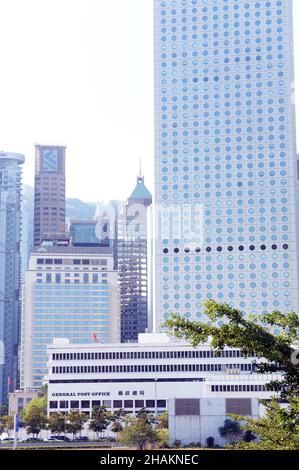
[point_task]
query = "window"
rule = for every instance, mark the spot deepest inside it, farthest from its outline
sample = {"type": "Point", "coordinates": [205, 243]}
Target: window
{"type": "Point", "coordinates": [128, 404]}
{"type": "Point", "coordinates": [187, 407]}
{"type": "Point", "coordinates": [63, 405]}
{"type": "Point", "coordinates": [95, 403]}
{"type": "Point", "coordinates": [161, 403]}
{"type": "Point", "coordinates": [53, 404]}
{"type": "Point", "coordinates": [117, 404]}
{"type": "Point", "coordinates": [150, 403]}
{"type": "Point", "coordinates": [239, 406]}
{"type": "Point", "coordinates": [107, 403]}
{"type": "Point", "coordinates": [139, 403]}
{"type": "Point", "coordinates": [85, 404]}
{"type": "Point", "coordinates": [75, 404]}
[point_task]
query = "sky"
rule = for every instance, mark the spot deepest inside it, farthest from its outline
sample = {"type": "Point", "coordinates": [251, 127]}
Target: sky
{"type": "Point", "coordinates": [80, 73]}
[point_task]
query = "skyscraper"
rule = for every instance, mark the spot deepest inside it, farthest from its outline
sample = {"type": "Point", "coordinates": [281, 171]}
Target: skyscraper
{"type": "Point", "coordinates": [10, 234]}
{"type": "Point", "coordinates": [225, 163]}
{"type": "Point", "coordinates": [134, 263]}
{"type": "Point", "coordinates": [70, 292]}
{"type": "Point", "coordinates": [49, 195]}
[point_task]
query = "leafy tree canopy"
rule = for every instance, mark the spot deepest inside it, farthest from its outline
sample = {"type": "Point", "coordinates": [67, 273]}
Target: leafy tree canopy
{"type": "Point", "coordinates": [277, 430]}
{"type": "Point", "coordinates": [254, 336]}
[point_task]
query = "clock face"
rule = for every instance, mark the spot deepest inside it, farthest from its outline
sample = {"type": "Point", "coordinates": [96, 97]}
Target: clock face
{"type": "Point", "coordinates": [50, 160]}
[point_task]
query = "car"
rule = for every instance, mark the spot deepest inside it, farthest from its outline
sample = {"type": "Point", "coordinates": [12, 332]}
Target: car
{"type": "Point", "coordinates": [58, 438]}
{"type": "Point", "coordinates": [33, 439]}
{"type": "Point", "coordinates": [81, 438]}
{"type": "Point", "coordinates": [7, 439]}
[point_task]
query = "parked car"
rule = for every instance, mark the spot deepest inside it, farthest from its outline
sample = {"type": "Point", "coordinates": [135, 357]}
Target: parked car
{"type": "Point", "coordinates": [58, 438]}
{"type": "Point", "coordinates": [33, 439]}
{"type": "Point", "coordinates": [7, 439]}
{"type": "Point", "coordinates": [81, 438]}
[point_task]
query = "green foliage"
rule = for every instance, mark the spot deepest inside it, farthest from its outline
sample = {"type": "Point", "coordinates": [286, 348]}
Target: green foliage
{"type": "Point", "coordinates": [253, 336]}
{"type": "Point", "coordinates": [40, 403]}
{"type": "Point", "coordinates": [277, 430]}
{"type": "Point", "coordinates": [35, 415]}
{"type": "Point", "coordinates": [57, 423]}
{"type": "Point", "coordinates": [140, 432]}
{"type": "Point", "coordinates": [43, 391]}
{"type": "Point", "coordinates": [230, 430]}
{"type": "Point", "coordinates": [210, 442]}
{"type": "Point", "coordinates": [143, 413]}
{"type": "Point", "coordinates": [249, 436]}
{"type": "Point", "coordinates": [117, 420]}
{"type": "Point", "coordinates": [6, 424]}
{"type": "Point", "coordinates": [162, 421]}
{"type": "Point", "coordinates": [99, 420]}
{"type": "Point", "coordinates": [163, 436]}
{"type": "Point", "coordinates": [75, 422]}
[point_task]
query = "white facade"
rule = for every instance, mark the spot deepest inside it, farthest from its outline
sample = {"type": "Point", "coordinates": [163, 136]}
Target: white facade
{"type": "Point", "coordinates": [198, 426]}
{"type": "Point", "coordinates": [225, 163]}
{"type": "Point", "coordinates": [71, 292]}
{"type": "Point", "coordinates": [147, 374]}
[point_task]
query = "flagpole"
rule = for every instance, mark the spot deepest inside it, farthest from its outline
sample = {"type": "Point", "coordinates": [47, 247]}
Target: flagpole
{"type": "Point", "coordinates": [16, 430]}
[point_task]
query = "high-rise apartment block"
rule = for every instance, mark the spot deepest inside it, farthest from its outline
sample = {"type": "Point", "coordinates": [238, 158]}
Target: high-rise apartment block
{"type": "Point", "coordinates": [71, 292]}
{"type": "Point", "coordinates": [10, 235]}
{"type": "Point", "coordinates": [225, 164]}
{"type": "Point", "coordinates": [49, 197]}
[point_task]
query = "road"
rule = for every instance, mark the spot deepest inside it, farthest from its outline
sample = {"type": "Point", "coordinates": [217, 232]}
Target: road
{"type": "Point", "coordinates": [71, 444]}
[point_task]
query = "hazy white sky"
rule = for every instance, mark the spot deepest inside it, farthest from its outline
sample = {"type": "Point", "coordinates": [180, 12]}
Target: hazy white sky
{"type": "Point", "coordinates": [80, 73]}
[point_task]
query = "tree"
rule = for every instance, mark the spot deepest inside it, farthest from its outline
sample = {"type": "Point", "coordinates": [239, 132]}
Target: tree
{"type": "Point", "coordinates": [2, 424]}
{"type": "Point", "coordinates": [35, 415]}
{"type": "Point", "coordinates": [117, 420]}
{"type": "Point", "coordinates": [253, 336]}
{"type": "Point", "coordinates": [6, 424]}
{"type": "Point", "coordinates": [277, 430]}
{"type": "Point", "coordinates": [43, 391]}
{"type": "Point", "coordinates": [99, 420]}
{"type": "Point", "coordinates": [210, 442]}
{"type": "Point", "coordinates": [163, 437]}
{"type": "Point", "coordinates": [139, 433]}
{"type": "Point", "coordinates": [162, 421]}
{"type": "Point", "coordinates": [75, 422]}
{"type": "Point", "coordinates": [143, 413]}
{"type": "Point", "coordinates": [249, 436]}
{"type": "Point", "coordinates": [57, 423]}
{"type": "Point", "coordinates": [230, 430]}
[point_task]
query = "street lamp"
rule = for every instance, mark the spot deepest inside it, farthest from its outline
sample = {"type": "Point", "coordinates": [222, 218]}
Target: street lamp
{"type": "Point", "coordinates": [156, 412]}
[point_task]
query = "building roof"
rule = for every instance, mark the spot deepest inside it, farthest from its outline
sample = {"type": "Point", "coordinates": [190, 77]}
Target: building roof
{"type": "Point", "coordinates": [20, 159]}
{"type": "Point", "coordinates": [141, 191]}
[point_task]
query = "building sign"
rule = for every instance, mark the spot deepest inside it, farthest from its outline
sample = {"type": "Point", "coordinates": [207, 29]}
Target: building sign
{"type": "Point", "coordinates": [50, 160]}
{"type": "Point", "coordinates": [81, 394]}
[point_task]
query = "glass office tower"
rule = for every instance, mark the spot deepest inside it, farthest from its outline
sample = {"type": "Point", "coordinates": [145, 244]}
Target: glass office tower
{"type": "Point", "coordinates": [225, 162]}
{"type": "Point", "coordinates": [10, 263]}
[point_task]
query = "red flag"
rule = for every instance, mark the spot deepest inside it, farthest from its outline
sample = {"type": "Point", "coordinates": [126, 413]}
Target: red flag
{"type": "Point", "coordinates": [95, 338]}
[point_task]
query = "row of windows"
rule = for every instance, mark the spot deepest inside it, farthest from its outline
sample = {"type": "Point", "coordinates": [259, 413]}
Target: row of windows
{"type": "Point", "coordinates": [238, 388]}
{"type": "Point", "coordinates": [152, 368]}
{"type": "Point", "coordinates": [86, 404]}
{"type": "Point", "coordinates": [144, 355]}
{"type": "Point", "coordinates": [229, 248]}
{"type": "Point", "coordinates": [76, 262]}
{"type": "Point", "coordinates": [86, 278]}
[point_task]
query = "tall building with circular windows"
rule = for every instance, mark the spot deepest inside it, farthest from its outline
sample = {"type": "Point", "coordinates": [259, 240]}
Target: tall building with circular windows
{"type": "Point", "coordinates": [225, 156]}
